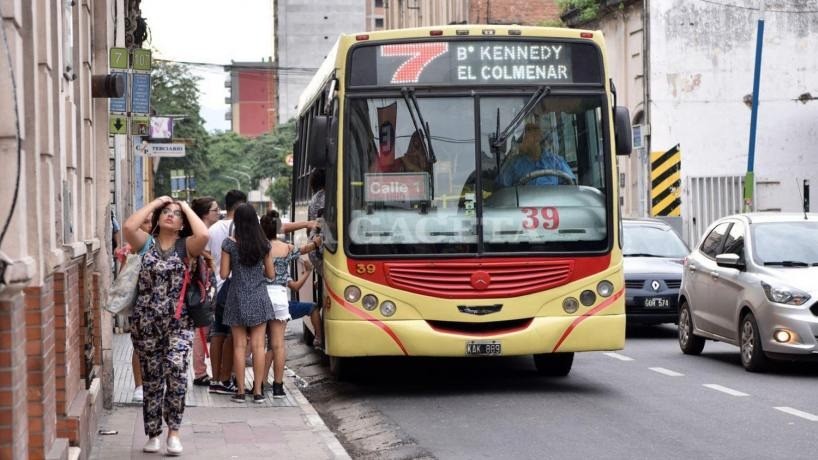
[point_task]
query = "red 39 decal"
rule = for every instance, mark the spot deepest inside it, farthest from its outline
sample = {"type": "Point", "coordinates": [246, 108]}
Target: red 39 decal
{"type": "Point", "coordinates": [420, 55]}
{"type": "Point", "coordinates": [548, 218]}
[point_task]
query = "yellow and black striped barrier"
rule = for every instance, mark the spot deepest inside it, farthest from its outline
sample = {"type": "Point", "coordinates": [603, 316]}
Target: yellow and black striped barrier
{"type": "Point", "coordinates": [666, 182]}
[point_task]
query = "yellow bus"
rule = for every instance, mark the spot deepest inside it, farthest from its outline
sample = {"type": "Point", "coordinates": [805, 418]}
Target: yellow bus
{"type": "Point", "coordinates": [471, 194]}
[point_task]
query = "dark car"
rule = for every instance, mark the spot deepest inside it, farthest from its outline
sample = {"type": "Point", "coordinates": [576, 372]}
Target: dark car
{"type": "Point", "coordinates": [654, 255]}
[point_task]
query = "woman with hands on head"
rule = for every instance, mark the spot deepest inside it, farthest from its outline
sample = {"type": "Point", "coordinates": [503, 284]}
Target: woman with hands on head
{"type": "Point", "coordinates": [162, 341]}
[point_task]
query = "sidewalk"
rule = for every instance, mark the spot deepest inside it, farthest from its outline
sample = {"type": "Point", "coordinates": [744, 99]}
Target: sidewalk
{"type": "Point", "coordinates": [216, 428]}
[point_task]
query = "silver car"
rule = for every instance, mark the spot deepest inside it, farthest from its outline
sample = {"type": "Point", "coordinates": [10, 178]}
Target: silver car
{"type": "Point", "coordinates": [752, 283]}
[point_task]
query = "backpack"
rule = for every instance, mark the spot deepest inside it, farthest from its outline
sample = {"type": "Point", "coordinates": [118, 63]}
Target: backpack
{"type": "Point", "coordinates": [200, 299]}
{"type": "Point", "coordinates": [198, 293]}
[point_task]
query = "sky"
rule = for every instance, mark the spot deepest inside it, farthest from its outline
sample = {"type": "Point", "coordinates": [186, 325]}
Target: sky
{"type": "Point", "coordinates": [210, 31]}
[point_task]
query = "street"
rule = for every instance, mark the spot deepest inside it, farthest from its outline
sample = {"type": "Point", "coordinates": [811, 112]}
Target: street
{"type": "Point", "coordinates": [647, 401]}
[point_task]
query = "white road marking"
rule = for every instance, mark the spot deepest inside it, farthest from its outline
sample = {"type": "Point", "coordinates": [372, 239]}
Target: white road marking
{"type": "Point", "coordinates": [667, 372]}
{"type": "Point", "coordinates": [729, 391]}
{"type": "Point", "coordinates": [798, 413]}
{"type": "Point", "coordinates": [619, 357]}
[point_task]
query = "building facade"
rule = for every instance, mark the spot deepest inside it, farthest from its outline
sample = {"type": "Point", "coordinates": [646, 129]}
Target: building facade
{"type": "Point", "coordinates": [423, 13]}
{"type": "Point", "coordinates": [252, 99]}
{"type": "Point", "coordinates": [305, 32]}
{"type": "Point", "coordinates": [55, 223]}
{"type": "Point", "coordinates": [697, 78]}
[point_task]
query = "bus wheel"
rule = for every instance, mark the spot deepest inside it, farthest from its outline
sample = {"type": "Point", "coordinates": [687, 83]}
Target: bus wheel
{"type": "Point", "coordinates": [554, 364]}
{"type": "Point", "coordinates": [307, 333]}
{"type": "Point", "coordinates": [340, 368]}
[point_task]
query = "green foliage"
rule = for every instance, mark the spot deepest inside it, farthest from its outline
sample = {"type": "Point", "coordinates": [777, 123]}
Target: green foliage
{"type": "Point", "coordinates": [269, 151]}
{"type": "Point", "coordinates": [279, 192]}
{"type": "Point", "coordinates": [588, 9]}
{"type": "Point", "coordinates": [551, 23]}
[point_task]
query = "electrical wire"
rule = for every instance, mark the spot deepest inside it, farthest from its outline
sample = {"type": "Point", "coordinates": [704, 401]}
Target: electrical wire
{"type": "Point", "coordinates": [19, 145]}
{"type": "Point", "coordinates": [221, 67]}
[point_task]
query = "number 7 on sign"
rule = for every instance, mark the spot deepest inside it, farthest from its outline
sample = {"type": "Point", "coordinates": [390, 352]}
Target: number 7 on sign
{"type": "Point", "coordinates": [420, 55]}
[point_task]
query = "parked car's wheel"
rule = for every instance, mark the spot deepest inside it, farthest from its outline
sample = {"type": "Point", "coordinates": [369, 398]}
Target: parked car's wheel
{"type": "Point", "coordinates": [690, 343]}
{"type": "Point", "coordinates": [752, 353]}
{"type": "Point", "coordinates": [554, 364]}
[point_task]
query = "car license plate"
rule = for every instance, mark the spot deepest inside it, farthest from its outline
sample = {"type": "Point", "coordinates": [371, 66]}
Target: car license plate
{"type": "Point", "coordinates": [484, 348]}
{"type": "Point", "coordinates": [656, 302]}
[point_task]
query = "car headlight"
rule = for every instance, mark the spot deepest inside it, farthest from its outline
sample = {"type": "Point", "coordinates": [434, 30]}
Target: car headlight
{"type": "Point", "coordinates": [785, 295]}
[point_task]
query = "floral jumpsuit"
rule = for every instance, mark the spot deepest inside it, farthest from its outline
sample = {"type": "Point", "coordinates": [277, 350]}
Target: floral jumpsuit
{"type": "Point", "coordinates": [163, 342]}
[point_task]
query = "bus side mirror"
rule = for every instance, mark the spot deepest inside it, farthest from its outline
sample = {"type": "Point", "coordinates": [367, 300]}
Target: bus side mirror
{"type": "Point", "coordinates": [622, 131]}
{"type": "Point", "coordinates": [317, 142]}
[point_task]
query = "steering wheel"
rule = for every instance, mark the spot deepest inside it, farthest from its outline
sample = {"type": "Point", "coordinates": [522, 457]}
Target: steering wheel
{"type": "Point", "coordinates": [548, 172]}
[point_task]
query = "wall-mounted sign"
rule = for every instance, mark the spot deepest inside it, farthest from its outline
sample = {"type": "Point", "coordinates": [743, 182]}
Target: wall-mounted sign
{"type": "Point", "coordinates": [141, 93]}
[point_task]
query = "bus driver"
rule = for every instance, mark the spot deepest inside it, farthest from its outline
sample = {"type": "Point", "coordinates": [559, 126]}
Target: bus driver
{"type": "Point", "coordinates": [532, 157]}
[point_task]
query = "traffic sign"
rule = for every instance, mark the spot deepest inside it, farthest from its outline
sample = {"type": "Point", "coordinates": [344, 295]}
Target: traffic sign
{"type": "Point", "coordinates": [140, 125]}
{"type": "Point", "coordinates": [118, 58]}
{"type": "Point", "coordinates": [142, 59]}
{"type": "Point", "coordinates": [141, 93]}
{"type": "Point", "coordinates": [118, 104]}
{"type": "Point", "coordinates": [165, 150]}
{"type": "Point", "coordinates": [118, 124]}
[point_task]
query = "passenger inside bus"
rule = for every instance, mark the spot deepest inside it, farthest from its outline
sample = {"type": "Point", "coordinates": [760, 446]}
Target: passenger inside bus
{"type": "Point", "coordinates": [535, 163]}
{"type": "Point", "coordinates": [414, 160]}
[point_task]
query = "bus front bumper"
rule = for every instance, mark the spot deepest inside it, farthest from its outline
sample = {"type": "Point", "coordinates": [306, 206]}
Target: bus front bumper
{"type": "Point", "coordinates": [347, 338]}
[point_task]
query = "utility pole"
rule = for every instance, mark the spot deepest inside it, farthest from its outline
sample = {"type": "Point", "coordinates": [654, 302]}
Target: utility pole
{"type": "Point", "coordinates": [749, 178]}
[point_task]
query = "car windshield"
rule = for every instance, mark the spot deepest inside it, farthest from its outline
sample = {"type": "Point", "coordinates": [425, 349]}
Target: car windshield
{"type": "Point", "coordinates": [652, 241]}
{"type": "Point", "coordinates": [519, 179]}
{"type": "Point", "coordinates": [776, 242]}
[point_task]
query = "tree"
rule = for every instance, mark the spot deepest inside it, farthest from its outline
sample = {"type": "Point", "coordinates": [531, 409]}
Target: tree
{"type": "Point", "coordinates": [225, 164]}
{"type": "Point", "coordinates": [279, 192]}
{"type": "Point", "coordinates": [174, 92]}
{"type": "Point", "coordinates": [268, 153]}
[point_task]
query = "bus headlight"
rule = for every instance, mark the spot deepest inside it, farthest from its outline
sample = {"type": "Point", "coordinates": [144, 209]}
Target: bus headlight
{"type": "Point", "coordinates": [370, 302]}
{"type": "Point", "coordinates": [352, 293]}
{"type": "Point", "coordinates": [604, 288]}
{"type": "Point", "coordinates": [570, 305]}
{"type": "Point", "coordinates": [587, 297]}
{"type": "Point", "coordinates": [388, 308]}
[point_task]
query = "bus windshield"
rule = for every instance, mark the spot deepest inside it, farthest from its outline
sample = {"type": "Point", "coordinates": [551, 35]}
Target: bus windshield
{"type": "Point", "coordinates": [521, 178]}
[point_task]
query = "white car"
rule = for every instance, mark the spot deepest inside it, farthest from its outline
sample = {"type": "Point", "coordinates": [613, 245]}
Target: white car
{"type": "Point", "coordinates": [752, 283]}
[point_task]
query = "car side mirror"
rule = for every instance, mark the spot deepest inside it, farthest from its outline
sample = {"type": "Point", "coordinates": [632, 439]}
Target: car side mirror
{"type": "Point", "coordinates": [729, 261]}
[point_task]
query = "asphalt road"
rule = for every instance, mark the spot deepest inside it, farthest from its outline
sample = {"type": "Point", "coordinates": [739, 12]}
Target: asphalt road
{"type": "Point", "coordinates": [647, 401]}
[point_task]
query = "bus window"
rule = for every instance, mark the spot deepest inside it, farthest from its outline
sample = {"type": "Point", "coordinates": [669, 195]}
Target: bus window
{"type": "Point", "coordinates": [405, 198]}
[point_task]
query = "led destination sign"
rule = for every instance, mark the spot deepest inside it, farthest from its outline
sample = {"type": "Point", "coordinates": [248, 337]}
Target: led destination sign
{"type": "Point", "coordinates": [475, 63]}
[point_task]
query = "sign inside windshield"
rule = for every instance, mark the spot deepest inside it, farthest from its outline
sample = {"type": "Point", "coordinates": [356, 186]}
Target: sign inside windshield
{"type": "Point", "coordinates": [392, 187]}
{"type": "Point", "coordinates": [475, 63]}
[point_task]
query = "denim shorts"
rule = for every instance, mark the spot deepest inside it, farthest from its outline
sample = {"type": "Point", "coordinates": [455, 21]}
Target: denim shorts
{"type": "Point", "coordinates": [299, 309]}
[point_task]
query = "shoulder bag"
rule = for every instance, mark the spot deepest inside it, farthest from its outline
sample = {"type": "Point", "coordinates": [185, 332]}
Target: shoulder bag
{"type": "Point", "coordinates": [122, 295]}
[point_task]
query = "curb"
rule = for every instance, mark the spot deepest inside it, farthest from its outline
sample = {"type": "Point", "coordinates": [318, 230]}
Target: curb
{"type": "Point", "coordinates": [315, 420]}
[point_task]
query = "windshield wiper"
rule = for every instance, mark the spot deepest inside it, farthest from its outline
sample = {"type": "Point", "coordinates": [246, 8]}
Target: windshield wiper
{"type": "Point", "coordinates": [420, 125]}
{"type": "Point", "coordinates": [641, 254]}
{"type": "Point", "coordinates": [498, 139]}
{"type": "Point", "coordinates": [788, 263]}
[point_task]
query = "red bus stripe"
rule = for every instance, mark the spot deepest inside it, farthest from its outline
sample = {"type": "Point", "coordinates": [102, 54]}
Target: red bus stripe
{"type": "Point", "coordinates": [363, 315]}
{"type": "Point", "coordinates": [607, 303]}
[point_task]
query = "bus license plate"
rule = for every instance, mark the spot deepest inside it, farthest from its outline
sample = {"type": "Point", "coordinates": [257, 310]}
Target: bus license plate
{"type": "Point", "coordinates": [484, 348]}
{"type": "Point", "coordinates": [656, 302]}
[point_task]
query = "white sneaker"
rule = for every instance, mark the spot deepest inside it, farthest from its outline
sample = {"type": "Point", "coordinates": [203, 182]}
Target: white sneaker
{"type": "Point", "coordinates": [152, 446]}
{"type": "Point", "coordinates": [174, 446]}
{"type": "Point", "coordinates": [138, 395]}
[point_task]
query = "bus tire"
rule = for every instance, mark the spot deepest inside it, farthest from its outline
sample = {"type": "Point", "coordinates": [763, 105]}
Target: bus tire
{"type": "Point", "coordinates": [340, 368]}
{"type": "Point", "coordinates": [554, 364]}
{"type": "Point", "coordinates": [308, 336]}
